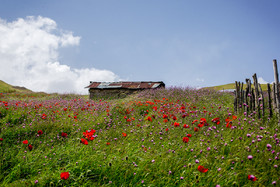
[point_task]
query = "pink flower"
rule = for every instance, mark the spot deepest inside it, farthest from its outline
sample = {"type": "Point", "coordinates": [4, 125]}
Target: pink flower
{"type": "Point", "coordinates": [250, 157]}
{"type": "Point", "coordinates": [252, 178]}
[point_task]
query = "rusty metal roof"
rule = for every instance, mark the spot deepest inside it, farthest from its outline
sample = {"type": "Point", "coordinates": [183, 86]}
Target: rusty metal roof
{"type": "Point", "coordinates": [126, 85]}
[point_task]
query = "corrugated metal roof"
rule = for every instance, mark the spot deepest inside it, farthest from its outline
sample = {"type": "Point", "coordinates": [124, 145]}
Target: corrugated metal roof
{"type": "Point", "coordinates": [126, 85]}
{"type": "Point", "coordinates": [108, 84]}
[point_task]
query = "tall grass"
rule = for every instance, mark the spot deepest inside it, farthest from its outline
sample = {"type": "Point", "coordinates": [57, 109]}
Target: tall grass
{"type": "Point", "coordinates": [138, 141]}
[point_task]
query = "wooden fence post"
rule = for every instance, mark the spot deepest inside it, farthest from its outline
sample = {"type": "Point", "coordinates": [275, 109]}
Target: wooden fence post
{"type": "Point", "coordinates": [237, 95]}
{"type": "Point", "coordinates": [276, 89]}
{"type": "Point", "coordinates": [257, 102]}
{"type": "Point", "coordinates": [235, 100]}
{"type": "Point", "coordinates": [245, 101]}
{"type": "Point", "coordinates": [246, 96]}
{"type": "Point", "coordinates": [241, 96]}
{"type": "Point", "coordinates": [273, 96]}
{"type": "Point", "coordinates": [253, 99]}
{"type": "Point", "coordinates": [249, 94]}
{"type": "Point", "coordinates": [269, 100]}
{"type": "Point", "coordinates": [262, 101]}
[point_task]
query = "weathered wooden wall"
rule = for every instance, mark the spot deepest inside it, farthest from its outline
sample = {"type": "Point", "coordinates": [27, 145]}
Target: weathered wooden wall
{"type": "Point", "coordinates": [110, 93]}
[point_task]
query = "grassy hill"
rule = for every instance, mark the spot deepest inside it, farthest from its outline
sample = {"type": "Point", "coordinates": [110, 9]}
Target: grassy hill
{"type": "Point", "coordinates": [164, 137]}
{"type": "Point", "coordinates": [7, 88]}
{"type": "Point", "coordinates": [232, 86]}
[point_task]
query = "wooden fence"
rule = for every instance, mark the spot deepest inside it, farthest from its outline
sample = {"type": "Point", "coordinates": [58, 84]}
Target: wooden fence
{"type": "Point", "coordinates": [253, 99]}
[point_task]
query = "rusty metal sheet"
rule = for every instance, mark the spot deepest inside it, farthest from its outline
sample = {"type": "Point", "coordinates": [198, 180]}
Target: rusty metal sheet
{"type": "Point", "coordinates": [103, 85]}
{"type": "Point", "coordinates": [93, 85]}
{"type": "Point", "coordinates": [145, 85]}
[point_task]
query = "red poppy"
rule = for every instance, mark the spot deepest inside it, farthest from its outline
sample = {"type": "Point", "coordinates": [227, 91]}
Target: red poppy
{"type": "Point", "coordinates": [194, 121]}
{"type": "Point", "coordinates": [216, 120]}
{"type": "Point", "coordinates": [25, 142]}
{"type": "Point", "coordinates": [165, 120]}
{"type": "Point", "coordinates": [124, 134]}
{"type": "Point", "coordinates": [196, 129]}
{"type": "Point", "coordinates": [202, 120]}
{"type": "Point", "coordinates": [64, 175]}
{"type": "Point", "coordinates": [232, 118]}
{"type": "Point", "coordinates": [108, 143]}
{"type": "Point", "coordinates": [186, 126]}
{"type": "Point", "coordinates": [229, 124]}
{"type": "Point", "coordinates": [189, 135]}
{"type": "Point", "coordinates": [63, 134]}
{"type": "Point", "coordinates": [186, 139]}
{"type": "Point", "coordinates": [227, 119]}
{"type": "Point", "coordinates": [202, 169]}
{"type": "Point", "coordinates": [43, 116]}
{"type": "Point", "coordinates": [30, 147]}
{"type": "Point", "coordinates": [89, 134]}
{"type": "Point", "coordinates": [1, 139]}
{"type": "Point", "coordinates": [149, 118]}
{"type": "Point", "coordinates": [200, 125]}
{"type": "Point", "coordinates": [84, 141]}
{"type": "Point", "coordinates": [165, 116]}
{"type": "Point", "coordinates": [252, 178]}
{"type": "Point", "coordinates": [174, 118]}
{"type": "Point", "coordinates": [166, 129]}
{"type": "Point", "coordinates": [176, 124]}
{"type": "Point", "coordinates": [40, 132]}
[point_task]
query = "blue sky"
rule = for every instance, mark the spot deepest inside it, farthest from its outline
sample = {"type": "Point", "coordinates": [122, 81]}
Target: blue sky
{"type": "Point", "coordinates": [194, 43]}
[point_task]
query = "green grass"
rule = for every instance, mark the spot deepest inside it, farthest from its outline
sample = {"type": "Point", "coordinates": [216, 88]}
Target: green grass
{"type": "Point", "coordinates": [151, 154]}
{"type": "Point", "coordinates": [232, 86]}
{"type": "Point", "coordinates": [7, 88]}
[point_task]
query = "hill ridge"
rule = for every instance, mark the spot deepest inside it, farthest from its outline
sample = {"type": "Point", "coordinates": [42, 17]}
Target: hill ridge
{"type": "Point", "coordinates": [7, 88]}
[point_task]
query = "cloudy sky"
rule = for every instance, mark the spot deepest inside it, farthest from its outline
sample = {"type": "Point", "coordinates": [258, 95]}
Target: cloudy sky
{"type": "Point", "coordinates": [59, 46]}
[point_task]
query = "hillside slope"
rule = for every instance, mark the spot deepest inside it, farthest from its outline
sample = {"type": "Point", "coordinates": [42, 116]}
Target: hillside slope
{"type": "Point", "coordinates": [231, 86]}
{"type": "Point", "coordinates": [7, 88]}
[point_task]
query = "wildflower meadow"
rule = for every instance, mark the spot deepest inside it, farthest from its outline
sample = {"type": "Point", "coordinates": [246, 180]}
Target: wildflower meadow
{"type": "Point", "coordinates": [164, 137]}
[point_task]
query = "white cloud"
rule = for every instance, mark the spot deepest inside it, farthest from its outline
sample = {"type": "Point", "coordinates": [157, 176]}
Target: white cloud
{"type": "Point", "coordinates": [262, 81]}
{"type": "Point", "coordinates": [199, 79]}
{"type": "Point", "coordinates": [29, 57]}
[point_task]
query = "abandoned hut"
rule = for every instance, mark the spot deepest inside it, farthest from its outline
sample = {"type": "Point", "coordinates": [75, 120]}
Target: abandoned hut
{"type": "Point", "coordinates": [119, 89]}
